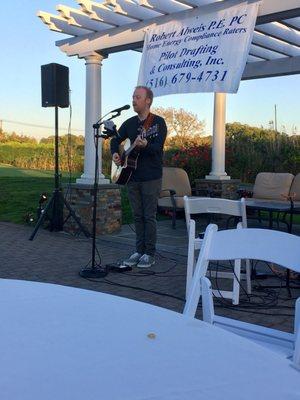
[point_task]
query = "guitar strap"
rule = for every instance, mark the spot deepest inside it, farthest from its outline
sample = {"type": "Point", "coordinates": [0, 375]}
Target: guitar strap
{"type": "Point", "coordinates": [147, 123]}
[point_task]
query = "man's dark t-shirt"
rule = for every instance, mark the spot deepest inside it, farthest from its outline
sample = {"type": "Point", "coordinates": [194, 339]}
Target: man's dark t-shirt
{"type": "Point", "coordinates": [149, 163]}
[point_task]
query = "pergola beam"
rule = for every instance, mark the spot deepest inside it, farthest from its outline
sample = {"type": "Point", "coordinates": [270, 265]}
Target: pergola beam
{"type": "Point", "coordinates": [263, 53]}
{"type": "Point", "coordinates": [267, 69]}
{"type": "Point", "coordinates": [131, 10]}
{"type": "Point", "coordinates": [79, 18]}
{"type": "Point", "coordinates": [103, 13]}
{"type": "Point", "coordinates": [280, 32]}
{"type": "Point", "coordinates": [125, 36]}
{"type": "Point", "coordinates": [164, 6]}
{"type": "Point", "coordinates": [279, 46]}
{"type": "Point", "coordinates": [122, 37]}
{"type": "Point", "coordinates": [283, 12]}
{"type": "Point", "coordinates": [60, 24]}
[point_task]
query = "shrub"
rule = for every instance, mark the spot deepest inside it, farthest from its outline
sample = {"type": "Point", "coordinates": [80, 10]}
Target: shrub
{"type": "Point", "coordinates": [196, 160]}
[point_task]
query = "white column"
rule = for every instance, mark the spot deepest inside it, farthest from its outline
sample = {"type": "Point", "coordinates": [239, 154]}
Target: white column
{"type": "Point", "coordinates": [218, 144]}
{"type": "Point", "coordinates": [92, 114]}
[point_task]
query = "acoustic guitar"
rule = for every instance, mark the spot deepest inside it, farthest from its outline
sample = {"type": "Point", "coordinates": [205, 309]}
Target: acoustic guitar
{"type": "Point", "coordinates": [123, 172]}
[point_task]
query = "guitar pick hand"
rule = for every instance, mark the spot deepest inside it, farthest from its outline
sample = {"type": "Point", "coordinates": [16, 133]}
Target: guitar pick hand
{"type": "Point", "coordinates": [116, 159]}
{"type": "Point", "coordinates": [140, 142]}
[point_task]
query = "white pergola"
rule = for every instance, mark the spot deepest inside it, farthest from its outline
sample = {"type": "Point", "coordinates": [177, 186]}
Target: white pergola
{"type": "Point", "coordinates": [97, 29]}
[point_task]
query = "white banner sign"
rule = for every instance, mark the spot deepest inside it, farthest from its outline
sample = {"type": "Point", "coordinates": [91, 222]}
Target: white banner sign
{"type": "Point", "coordinates": [205, 53]}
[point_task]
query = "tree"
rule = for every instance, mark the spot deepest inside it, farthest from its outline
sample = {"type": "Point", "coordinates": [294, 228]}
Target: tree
{"type": "Point", "coordinates": [183, 126]}
{"type": "Point", "coordinates": [253, 150]}
{"type": "Point", "coordinates": [14, 137]}
{"type": "Point", "coordinates": [76, 140]}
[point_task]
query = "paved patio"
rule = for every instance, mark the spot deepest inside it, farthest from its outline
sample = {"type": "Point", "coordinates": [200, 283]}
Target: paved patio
{"type": "Point", "coordinates": [57, 257]}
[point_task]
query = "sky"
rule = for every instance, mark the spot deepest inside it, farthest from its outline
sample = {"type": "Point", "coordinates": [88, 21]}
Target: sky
{"type": "Point", "coordinates": [26, 44]}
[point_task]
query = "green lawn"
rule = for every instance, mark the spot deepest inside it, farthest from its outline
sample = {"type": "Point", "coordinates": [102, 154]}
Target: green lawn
{"type": "Point", "coordinates": [8, 171]}
{"type": "Point", "coordinates": [20, 191]}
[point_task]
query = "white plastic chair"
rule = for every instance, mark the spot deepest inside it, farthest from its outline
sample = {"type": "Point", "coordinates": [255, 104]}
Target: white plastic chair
{"type": "Point", "coordinates": [206, 205]}
{"type": "Point", "coordinates": [260, 244]}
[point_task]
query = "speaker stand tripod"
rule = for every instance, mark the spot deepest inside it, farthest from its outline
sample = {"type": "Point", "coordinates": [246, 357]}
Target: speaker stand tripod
{"type": "Point", "coordinates": [57, 200]}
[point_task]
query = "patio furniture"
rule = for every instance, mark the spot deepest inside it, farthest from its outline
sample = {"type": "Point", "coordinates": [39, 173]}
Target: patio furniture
{"type": "Point", "coordinates": [294, 195]}
{"type": "Point", "coordinates": [271, 207]}
{"type": "Point", "coordinates": [276, 188]}
{"type": "Point", "coordinates": [175, 185]}
{"type": "Point", "coordinates": [203, 205]}
{"type": "Point", "coordinates": [272, 186]}
{"type": "Point", "coordinates": [260, 244]}
{"type": "Point", "coordinates": [62, 343]}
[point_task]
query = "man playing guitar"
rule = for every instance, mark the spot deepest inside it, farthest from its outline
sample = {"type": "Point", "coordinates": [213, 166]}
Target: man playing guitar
{"type": "Point", "coordinates": [147, 133]}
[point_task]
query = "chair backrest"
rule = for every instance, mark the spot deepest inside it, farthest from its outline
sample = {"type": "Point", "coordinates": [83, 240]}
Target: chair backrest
{"type": "Point", "coordinates": [208, 205]}
{"type": "Point", "coordinates": [295, 188]}
{"type": "Point", "coordinates": [233, 244]}
{"type": "Point", "coordinates": [272, 185]}
{"type": "Point", "coordinates": [255, 244]}
{"type": "Point", "coordinates": [176, 179]}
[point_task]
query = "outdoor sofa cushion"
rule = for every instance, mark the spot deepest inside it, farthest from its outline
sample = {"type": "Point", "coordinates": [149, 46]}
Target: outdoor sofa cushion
{"type": "Point", "coordinates": [175, 185]}
{"type": "Point", "coordinates": [272, 185]}
{"type": "Point", "coordinates": [175, 179]}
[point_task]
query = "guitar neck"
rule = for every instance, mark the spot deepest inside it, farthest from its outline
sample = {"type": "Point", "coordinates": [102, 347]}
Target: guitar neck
{"type": "Point", "coordinates": [151, 131]}
{"type": "Point", "coordinates": [129, 150]}
{"type": "Point", "coordinates": [132, 147]}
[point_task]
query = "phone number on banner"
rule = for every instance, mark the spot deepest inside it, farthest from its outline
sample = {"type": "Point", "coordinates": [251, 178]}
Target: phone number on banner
{"type": "Point", "coordinates": [184, 77]}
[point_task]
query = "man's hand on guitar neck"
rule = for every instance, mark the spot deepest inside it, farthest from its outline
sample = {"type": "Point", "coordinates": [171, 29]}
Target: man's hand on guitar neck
{"type": "Point", "coordinates": [116, 159]}
{"type": "Point", "coordinates": [140, 142]}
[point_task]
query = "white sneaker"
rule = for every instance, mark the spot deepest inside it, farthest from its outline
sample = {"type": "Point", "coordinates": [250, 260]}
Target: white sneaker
{"type": "Point", "coordinates": [132, 260]}
{"type": "Point", "coordinates": [145, 261]}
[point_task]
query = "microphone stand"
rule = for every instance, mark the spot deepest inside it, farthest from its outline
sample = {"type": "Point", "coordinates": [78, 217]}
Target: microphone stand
{"type": "Point", "coordinates": [96, 270]}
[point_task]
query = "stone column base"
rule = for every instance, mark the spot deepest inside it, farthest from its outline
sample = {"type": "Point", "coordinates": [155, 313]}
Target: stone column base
{"type": "Point", "coordinates": [220, 177]}
{"type": "Point", "coordinates": [90, 181]}
{"type": "Point", "coordinates": [109, 212]}
{"type": "Point", "coordinates": [227, 189]}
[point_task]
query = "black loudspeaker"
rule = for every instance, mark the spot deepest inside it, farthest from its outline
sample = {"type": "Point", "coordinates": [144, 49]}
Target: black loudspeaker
{"type": "Point", "coordinates": [55, 85]}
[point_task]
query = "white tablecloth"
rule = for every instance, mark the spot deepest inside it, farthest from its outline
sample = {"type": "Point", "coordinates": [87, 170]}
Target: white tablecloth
{"type": "Point", "coordinates": [62, 343]}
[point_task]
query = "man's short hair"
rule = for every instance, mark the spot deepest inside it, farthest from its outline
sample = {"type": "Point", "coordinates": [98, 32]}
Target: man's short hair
{"type": "Point", "coordinates": [149, 93]}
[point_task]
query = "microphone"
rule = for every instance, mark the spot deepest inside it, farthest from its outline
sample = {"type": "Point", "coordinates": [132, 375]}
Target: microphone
{"type": "Point", "coordinates": [118, 110]}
